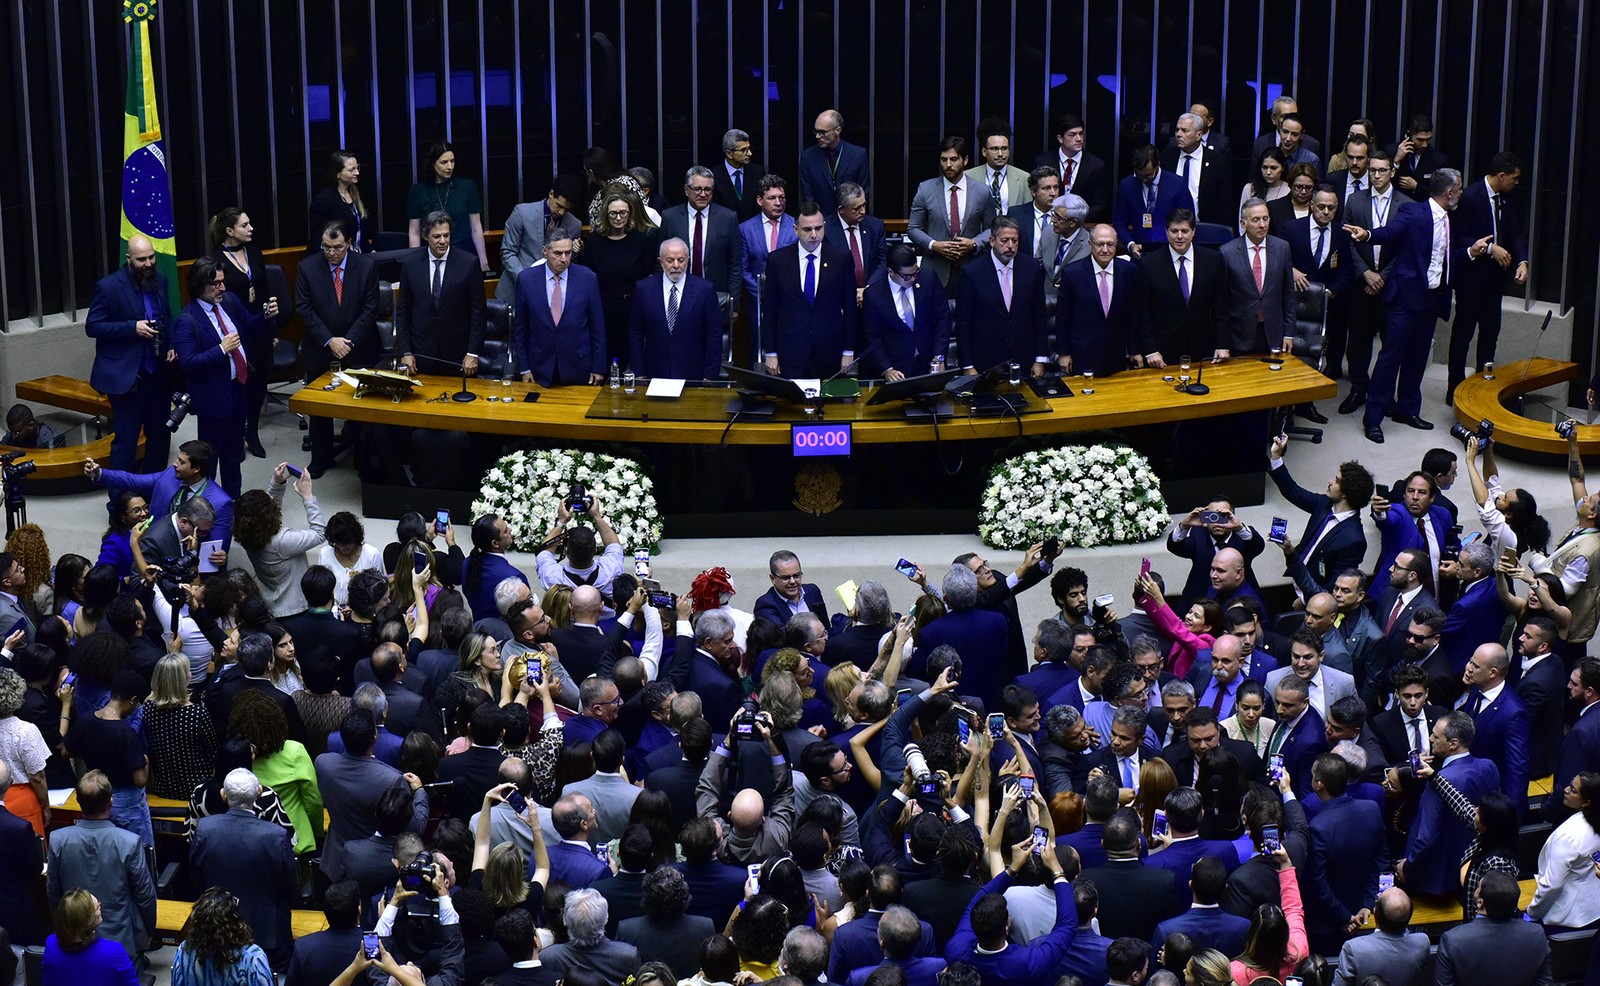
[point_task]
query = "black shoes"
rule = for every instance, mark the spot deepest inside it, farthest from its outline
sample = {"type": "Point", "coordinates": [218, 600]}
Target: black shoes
{"type": "Point", "coordinates": [316, 468]}
{"type": "Point", "coordinates": [255, 449]}
{"type": "Point", "coordinates": [1353, 403]}
{"type": "Point", "coordinates": [1375, 435]}
{"type": "Point", "coordinates": [1411, 420]}
{"type": "Point", "coordinates": [1310, 413]}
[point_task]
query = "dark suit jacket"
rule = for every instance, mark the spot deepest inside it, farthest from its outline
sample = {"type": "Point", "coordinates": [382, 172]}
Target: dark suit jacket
{"type": "Point", "coordinates": [1472, 220]}
{"type": "Point", "coordinates": [1218, 195]}
{"type": "Point", "coordinates": [1344, 547]}
{"type": "Point", "coordinates": [1419, 165]}
{"type": "Point", "coordinates": [117, 307]}
{"type": "Point", "coordinates": [819, 178]}
{"type": "Point", "coordinates": [1408, 238]}
{"type": "Point", "coordinates": [559, 354]}
{"type": "Point", "coordinates": [474, 772]}
{"type": "Point", "coordinates": [1181, 759]}
{"type": "Point", "coordinates": [350, 789]}
{"type": "Point", "coordinates": [1335, 270]}
{"type": "Point", "coordinates": [1254, 320]}
{"type": "Point", "coordinates": [409, 711]}
{"type": "Point", "coordinates": [722, 254]}
{"type": "Point", "coordinates": [1086, 842]}
{"type": "Point", "coordinates": [586, 650]}
{"type": "Point", "coordinates": [1543, 692]}
{"type": "Point", "coordinates": [1281, 212]}
{"type": "Point", "coordinates": [1511, 952]}
{"type": "Point", "coordinates": [987, 333]}
{"type": "Point", "coordinates": [1091, 181]}
{"type": "Point", "coordinates": [853, 949]}
{"type": "Point", "coordinates": [1168, 324]}
{"type": "Point", "coordinates": [252, 859]}
{"type": "Point", "coordinates": [1210, 927]}
{"type": "Point", "coordinates": [774, 607]}
{"type": "Point", "coordinates": [1200, 547]}
{"type": "Point", "coordinates": [693, 349]}
{"type": "Point", "coordinates": [231, 682]}
{"type": "Point", "coordinates": [1099, 341]}
{"type": "Point", "coordinates": [1502, 739]}
{"type": "Point", "coordinates": [625, 893]}
{"type": "Point", "coordinates": [318, 634]}
{"type": "Point", "coordinates": [809, 336]}
{"type": "Point", "coordinates": [677, 943]}
{"type": "Point", "coordinates": [321, 956]}
{"type": "Point", "coordinates": [888, 342]}
{"type": "Point", "coordinates": [576, 865]}
{"type": "Point", "coordinates": [447, 329]}
{"type": "Point", "coordinates": [857, 644]}
{"type": "Point", "coordinates": [698, 672]}
{"type": "Point", "coordinates": [159, 489]}
{"type": "Point", "coordinates": [1307, 741]}
{"type": "Point", "coordinates": [1179, 859]}
{"type": "Point", "coordinates": [874, 242]}
{"type": "Point", "coordinates": [1347, 850]}
{"type": "Point", "coordinates": [722, 193]}
{"type": "Point", "coordinates": [1255, 882]}
{"type": "Point", "coordinates": [20, 858]}
{"type": "Point", "coordinates": [1475, 618]}
{"type": "Point", "coordinates": [979, 637]}
{"type": "Point", "coordinates": [1393, 646]}
{"type": "Point", "coordinates": [1580, 751]}
{"type": "Point", "coordinates": [1357, 211]}
{"type": "Point", "coordinates": [678, 780]}
{"type": "Point", "coordinates": [1128, 212]}
{"type": "Point", "coordinates": [1134, 897]}
{"type": "Point", "coordinates": [715, 888]}
{"type": "Point", "coordinates": [1437, 838]}
{"type": "Point", "coordinates": [325, 316]}
{"type": "Point", "coordinates": [205, 366]}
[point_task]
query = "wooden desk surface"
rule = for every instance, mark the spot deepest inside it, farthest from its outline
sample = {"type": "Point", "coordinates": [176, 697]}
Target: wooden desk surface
{"type": "Point", "coordinates": [172, 915]}
{"type": "Point", "coordinates": [1478, 399]}
{"type": "Point", "coordinates": [70, 809]}
{"type": "Point", "coordinates": [1430, 910]}
{"type": "Point", "coordinates": [599, 414]}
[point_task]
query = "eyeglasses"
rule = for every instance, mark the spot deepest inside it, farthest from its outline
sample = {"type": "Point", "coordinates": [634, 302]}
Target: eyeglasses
{"type": "Point", "coordinates": [1302, 187]}
{"type": "Point", "coordinates": [823, 133]}
{"type": "Point", "coordinates": [614, 702]}
{"type": "Point", "coordinates": [796, 577]}
{"type": "Point", "coordinates": [1419, 636]}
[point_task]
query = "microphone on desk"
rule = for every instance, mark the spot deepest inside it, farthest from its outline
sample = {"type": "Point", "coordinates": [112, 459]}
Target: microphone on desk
{"type": "Point", "coordinates": [1520, 398]}
{"type": "Point", "coordinates": [1197, 388]}
{"type": "Point", "coordinates": [462, 396]}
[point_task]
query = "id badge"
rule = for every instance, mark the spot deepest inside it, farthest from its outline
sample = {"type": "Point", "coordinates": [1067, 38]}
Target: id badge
{"type": "Point", "coordinates": [1333, 260]}
{"type": "Point", "coordinates": [1149, 221]}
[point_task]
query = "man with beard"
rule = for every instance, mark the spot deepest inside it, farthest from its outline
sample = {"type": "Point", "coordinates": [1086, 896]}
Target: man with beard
{"type": "Point", "coordinates": [130, 322]}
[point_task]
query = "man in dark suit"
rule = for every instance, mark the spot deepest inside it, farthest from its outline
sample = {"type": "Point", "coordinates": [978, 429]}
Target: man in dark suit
{"type": "Point", "coordinates": [860, 235]}
{"type": "Point", "coordinates": [407, 710]}
{"type": "Point", "coordinates": [1199, 542]}
{"type": "Point", "coordinates": [1418, 296]}
{"type": "Point", "coordinates": [1436, 839]}
{"type": "Point", "coordinates": [1301, 735]}
{"type": "Point", "coordinates": [736, 182]}
{"type": "Point", "coordinates": [809, 317]}
{"type": "Point", "coordinates": [663, 931]}
{"type": "Point", "coordinates": [210, 336]}
{"type": "Point", "coordinates": [1480, 284]}
{"type": "Point", "coordinates": [1542, 689]}
{"type": "Point", "coordinates": [1097, 310]}
{"type": "Point", "coordinates": [584, 647]}
{"type": "Point", "coordinates": [518, 937]}
{"type": "Point", "coordinates": [712, 232]}
{"type": "Point", "coordinates": [1213, 137]}
{"type": "Point", "coordinates": [1498, 947]}
{"type": "Point", "coordinates": [1351, 179]}
{"type": "Point", "coordinates": [1259, 309]}
{"type": "Point", "coordinates": [1205, 921]}
{"type": "Point", "coordinates": [477, 769]}
{"type": "Point", "coordinates": [1320, 252]}
{"type": "Point", "coordinates": [978, 635]}
{"type": "Point", "coordinates": [322, 955]}
{"type": "Point", "coordinates": [1203, 733]}
{"type": "Point", "coordinates": [1415, 523]}
{"type": "Point", "coordinates": [254, 660]}
{"type": "Point", "coordinates": [1204, 170]}
{"type": "Point", "coordinates": [707, 662]}
{"type": "Point", "coordinates": [1100, 795]}
{"type": "Point", "coordinates": [1477, 614]}
{"type": "Point", "coordinates": [1405, 596]}
{"type": "Point", "coordinates": [1134, 897]}
{"type": "Point", "coordinates": [1272, 137]}
{"type": "Point", "coordinates": [1367, 309]}
{"type": "Point", "coordinates": [1000, 314]}
{"type": "Point", "coordinates": [789, 595]}
{"type": "Point", "coordinates": [1347, 853]}
{"type": "Point", "coordinates": [336, 297]}
{"type": "Point", "coordinates": [22, 856]}
{"type": "Point", "coordinates": [252, 859]}
{"type": "Point", "coordinates": [439, 311]}
{"type": "Point", "coordinates": [1500, 720]}
{"type": "Point", "coordinates": [898, 932]}
{"type": "Point", "coordinates": [1416, 159]}
{"type": "Point", "coordinates": [675, 325]}
{"type": "Point", "coordinates": [1033, 215]}
{"type": "Point", "coordinates": [1255, 882]}
{"type": "Point", "coordinates": [832, 162]}
{"type": "Point", "coordinates": [130, 322]}
{"type": "Point", "coordinates": [678, 780]}
{"type": "Point", "coordinates": [905, 319]}
{"type": "Point", "coordinates": [1145, 199]}
{"type": "Point", "coordinates": [855, 949]}
{"type": "Point", "coordinates": [715, 887]}
{"type": "Point", "coordinates": [320, 635]}
{"type": "Point", "coordinates": [1405, 728]}
{"type": "Point", "coordinates": [1184, 808]}
{"type": "Point", "coordinates": [573, 859]}
{"type": "Point", "coordinates": [1580, 749]}
{"type": "Point", "coordinates": [1081, 173]}
{"type": "Point", "coordinates": [560, 329]}
{"type": "Point", "coordinates": [1334, 539]}
{"type": "Point", "coordinates": [1181, 294]}
{"type": "Point", "coordinates": [351, 784]}
{"type": "Point", "coordinates": [624, 890]}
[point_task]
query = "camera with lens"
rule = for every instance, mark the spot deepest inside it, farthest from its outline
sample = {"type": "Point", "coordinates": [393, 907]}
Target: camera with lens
{"type": "Point", "coordinates": [927, 781]}
{"type": "Point", "coordinates": [659, 597]}
{"type": "Point", "coordinates": [15, 470]}
{"type": "Point", "coordinates": [744, 726]}
{"type": "Point", "coordinates": [1214, 517]}
{"type": "Point", "coordinates": [180, 410]}
{"type": "Point", "coordinates": [419, 874]}
{"type": "Point", "coordinates": [1483, 433]}
{"type": "Point", "coordinates": [579, 501]}
{"type": "Point", "coordinates": [1566, 427]}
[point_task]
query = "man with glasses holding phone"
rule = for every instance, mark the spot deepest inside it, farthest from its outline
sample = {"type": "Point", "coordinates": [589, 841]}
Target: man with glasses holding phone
{"type": "Point", "coordinates": [906, 318]}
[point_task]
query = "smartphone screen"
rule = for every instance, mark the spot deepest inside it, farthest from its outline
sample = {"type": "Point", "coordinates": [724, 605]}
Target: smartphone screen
{"type": "Point", "coordinates": [1025, 785]}
{"type": "Point", "coordinates": [1041, 838]}
{"type": "Point", "coordinates": [1269, 833]}
{"type": "Point", "coordinates": [906, 568]}
{"type": "Point", "coordinates": [441, 520]}
{"type": "Point", "coordinates": [1275, 767]}
{"type": "Point", "coordinates": [963, 731]}
{"type": "Point", "coordinates": [1158, 823]}
{"type": "Point", "coordinates": [517, 802]}
{"type": "Point", "coordinates": [293, 471]}
{"type": "Point", "coordinates": [1280, 530]}
{"type": "Point", "coordinates": [369, 945]}
{"type": "Point", "coordinates": [419, 560]}
{"type": "Point", "coordinates": [997, 725]}
{"type": "Point", "coordinates": [1416, 762]}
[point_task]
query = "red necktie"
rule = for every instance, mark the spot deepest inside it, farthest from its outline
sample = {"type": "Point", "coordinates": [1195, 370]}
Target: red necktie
{"type": "Point", "coordinates": [855, 258]}
{"type": "Point", "coordinates": [1256, 269]}
{"type": "Point", "coordinates": [1066, 177]}
{"type": "Point", "coordinates": [1394, 614]}
{"type": "Point", "coordinates": [697, 267]}
{"type": "Point", "coordinates": [955, 215]}
{"type": "Point", "coordinates": [338, 285]}
{"type": "Point", "coordinates": [240, 371]}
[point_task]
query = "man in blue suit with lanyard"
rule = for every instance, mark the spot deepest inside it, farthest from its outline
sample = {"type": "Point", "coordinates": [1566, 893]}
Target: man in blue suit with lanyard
{"type": "Point", "coordinates": [130, 323]}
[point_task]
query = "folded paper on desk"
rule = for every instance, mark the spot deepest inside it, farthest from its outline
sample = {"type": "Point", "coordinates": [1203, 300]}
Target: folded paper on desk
{"type": "Point", "coordinates": [662, 387]}
{"type": "Point", "coordinates": [59, 796]}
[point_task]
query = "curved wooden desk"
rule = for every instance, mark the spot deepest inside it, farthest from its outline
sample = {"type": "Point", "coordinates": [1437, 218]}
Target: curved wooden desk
{"type": "Point", "coordinates": [69, 394]}
{"type": "Point", "coordinates": [600, 414]}
{"type": "Point", "coordinates": [1478, 399]}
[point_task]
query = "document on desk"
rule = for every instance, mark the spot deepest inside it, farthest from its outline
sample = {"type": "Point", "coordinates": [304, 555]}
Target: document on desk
{"type": "Point", "coordinates": [663, 387]}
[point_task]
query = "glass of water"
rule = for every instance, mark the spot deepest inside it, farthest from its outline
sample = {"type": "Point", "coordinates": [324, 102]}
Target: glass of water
{"type": "Point", "coordinates": [1088, 382]}
{"type": "Point", "coordinates": [629, 381]}
{"type": "Point", "coordinates": [1014, 373]}
{"type": "Point", "coordinates": [334, 369]}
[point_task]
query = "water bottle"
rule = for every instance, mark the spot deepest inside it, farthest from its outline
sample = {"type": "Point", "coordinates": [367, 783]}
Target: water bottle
{"type": "Point", "coordinates": [616, 376]}
{"type": "Point", "coordinates": [628, 381]}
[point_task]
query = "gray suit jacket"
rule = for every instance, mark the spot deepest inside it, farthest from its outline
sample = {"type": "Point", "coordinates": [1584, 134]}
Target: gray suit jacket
{"type": "Point", "coordinates": [613, 800]}
{"type": "Point", "coordinates": [1506, 953]}
{"type": "Point", "coordinates": [350, 789]}
{"type": "Point", "coordinates": [522, 244]}
{"type": "Point", "coordinates": [1047, 256]}
{"type": "Point", "coordinates": [252, 859]}
{"type": "Point", "coordinates": [109, 863]}
{"type": "Point", "coordinates": [1016, 182]}
{"type": "Point", "coordinates": [1240, 330]}
{"type": "Point", "coordinates": [1397, 958]}
{"type": "Point", "coordinates": [930, 220]}
{"type": "Point", "coordinates": [10, 612]}
{"type": "Point", "coordinates": [614, 961]}
{"type": "Point", "coordinates": [1358, 212]}
{"type": "Point", "coordinates": [1335, 682]}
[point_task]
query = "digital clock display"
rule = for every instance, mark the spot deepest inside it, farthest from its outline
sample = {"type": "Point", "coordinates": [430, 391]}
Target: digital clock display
{"type": "Point", "coordinates": [820, 439]}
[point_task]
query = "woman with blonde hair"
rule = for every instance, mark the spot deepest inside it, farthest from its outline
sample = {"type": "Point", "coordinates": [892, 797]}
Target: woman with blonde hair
{"type": "Point", "coordinates": [77, 954]}
{"type": "Point", "coordinates": [482, 668]}
{"type": "Point", "coordinates": [178, 731]}
{"type": "Point", "coordinates": [501, 872]}
{"type": "Point", "coordinates": [621, 251]}
{"type": "Point", "coordinates": [402, 592]}
{"type": "Point", "coordinates": [1156, 781]}
{"type": "Point", "coordinates": [1207, 967]}
{"type": "Point", "coordinates": [218, 947]}
{"type": "Point", "coordinates": [557, 605]}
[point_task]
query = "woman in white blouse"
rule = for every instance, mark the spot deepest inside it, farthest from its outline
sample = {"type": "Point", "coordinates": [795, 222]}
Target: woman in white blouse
{"type": "Point", "coordinates": [1510, 517]}
{"type": "Point", "coordinates": [347, 553]}
{"type": "Point", "coordinates": [1566, 891]}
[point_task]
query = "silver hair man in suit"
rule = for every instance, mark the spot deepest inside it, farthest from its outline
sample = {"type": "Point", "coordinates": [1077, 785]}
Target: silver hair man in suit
{"type": "Point", "coordinates": [530, 224]}
{"type": "Point", "coordinates": [1258, 310]}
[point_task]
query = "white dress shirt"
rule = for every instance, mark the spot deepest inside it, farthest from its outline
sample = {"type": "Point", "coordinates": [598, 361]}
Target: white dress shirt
{"type": "Point", "coordinates": [1437, 257]}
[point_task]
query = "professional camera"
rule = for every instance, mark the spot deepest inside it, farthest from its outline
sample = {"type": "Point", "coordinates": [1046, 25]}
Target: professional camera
{"type": "Point", "coordinates": [579, 501]}
{"type": "Point", "coordinates": [744, 727]}
{"type": "Point", "coordinates": [1566, 426]}
{"type": "Point", "coordinates": [1483, 433]}
{"type": "Point", "coordinates": [419, 874]}
{"type": "Point", "coordinates": [180, 410]}
{"type": "Point", "coordinates": [927, 780]}
{"type": "Point", "coordinates": [15, 470]}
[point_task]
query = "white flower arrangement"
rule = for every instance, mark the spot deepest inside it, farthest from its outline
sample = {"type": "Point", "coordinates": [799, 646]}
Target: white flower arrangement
{"type": "Point", "coordinates": [1085, 495]}
{"type": "Point", "coordinates": [525, 486]}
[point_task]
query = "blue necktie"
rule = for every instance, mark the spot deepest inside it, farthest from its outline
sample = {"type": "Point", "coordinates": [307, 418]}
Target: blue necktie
{"type": "Point", "coordinates": [1127, 773]}
{"type": "Point", "coordinates": [1061, 252]}
{"type": "Point", "coordinates": [1149, 196]}
{"type": "Point", "coordinates": [1183, 277]}
{"type": "Point", "coordinates": [811, 277]}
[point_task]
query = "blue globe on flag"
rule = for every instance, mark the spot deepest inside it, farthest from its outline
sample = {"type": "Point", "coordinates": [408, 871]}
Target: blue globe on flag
{"type": "Point", "coordinates": [146, 198]}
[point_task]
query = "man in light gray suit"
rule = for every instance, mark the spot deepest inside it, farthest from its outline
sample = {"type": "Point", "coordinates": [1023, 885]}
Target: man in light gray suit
{"type": "Point", "coordinates": [1390, 952]}
{"type": "Point", "coordinates": [997, 173]}
{"type": "Point", "coordinates": [1499, 947]}
{"type": "Point", "coordinates": [351, 783]}
{"type": "Point", "coordinates": [606, 788]}
{"type": "Point", "coordinates": [12, 577]}
{"type": "Point", "coordinates": [1258, 307]}
{"type": "Point", "coordinates": [106, 861]}
{"type": "Point", "coordinates": [1328, 685]}
{"type": "Point", "coordinates": [1066, 242]}
{"type": "Point", "coordinates": [522, 244]}
{"type": "Point", "coordinates": [949, 237]}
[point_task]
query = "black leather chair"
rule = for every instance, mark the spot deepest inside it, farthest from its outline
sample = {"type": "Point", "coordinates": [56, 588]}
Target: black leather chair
{"type": "Point", "coordinates": [496, 360]}
{"type": "Point", "coordinates": [387, 293]}
{"type": "Point", "coordinates": [1214, 234]}
{"type": "Point", "coordinates": [1569, 955]}
{"type": "Point", "coordinates": [1310, 331]}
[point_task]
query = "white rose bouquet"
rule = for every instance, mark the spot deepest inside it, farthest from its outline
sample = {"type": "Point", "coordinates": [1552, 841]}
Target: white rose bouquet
{"type": "Point", "coordinates": [524, 487]}
{"type": "Point", "coordinates": [1085, 495]}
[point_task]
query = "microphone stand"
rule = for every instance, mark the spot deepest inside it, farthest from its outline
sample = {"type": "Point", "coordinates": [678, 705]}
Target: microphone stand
{"type": "Point", "coordinates": [1521, 398]}
{"type": "Point", "coordinates": [463, 396]}
{"type": "Point", "coordinates": [1197, 388]}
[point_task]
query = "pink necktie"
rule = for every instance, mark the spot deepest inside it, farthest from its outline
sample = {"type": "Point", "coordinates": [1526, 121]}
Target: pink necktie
{"type": "Point", "coordinates": [772, 240]}
{"type": "Point", "coordinates": [1005, 286]}
{"type": "Point", "coordinates": [1255, 268]}
{"type": "Point", "coordinates": [1105, 292]}
{"type": "Point", "coordinates": [241, 372]}
{"type": "Point", "coordinates": [555, 302]}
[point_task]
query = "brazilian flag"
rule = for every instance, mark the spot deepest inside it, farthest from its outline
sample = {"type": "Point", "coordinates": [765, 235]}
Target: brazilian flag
{"type": "Point", "coordinates": [146, 189]}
